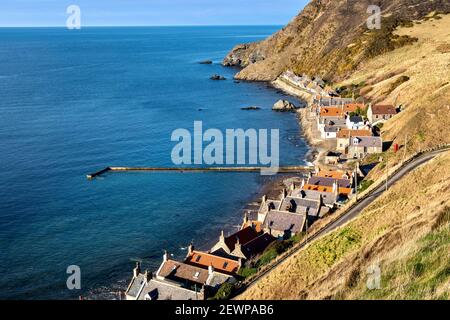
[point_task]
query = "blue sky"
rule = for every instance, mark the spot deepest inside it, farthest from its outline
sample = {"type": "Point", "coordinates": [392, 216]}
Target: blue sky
{"type": "Point", "coordinates": [150, 12]}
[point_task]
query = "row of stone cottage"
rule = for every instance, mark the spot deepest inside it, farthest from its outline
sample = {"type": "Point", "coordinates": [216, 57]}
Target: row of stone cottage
{"type": "Point", "coordinates": [201, 274]}
{"type": "Point", "coordinates": [341, 119]}
{"type": "Point", "coordinates": [314, 86]}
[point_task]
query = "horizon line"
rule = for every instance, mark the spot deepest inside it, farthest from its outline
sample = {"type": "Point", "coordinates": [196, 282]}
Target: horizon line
{"type": "Point", "coordinates": [137, 26]}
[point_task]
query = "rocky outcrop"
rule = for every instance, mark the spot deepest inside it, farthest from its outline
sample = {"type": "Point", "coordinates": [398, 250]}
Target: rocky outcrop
{"type": "Point", "coordinates": [217, 77]}
{"type": "Point", "coordinates": [238, 56]}
{"type": "Point", "coordinates": [284, 106]}
{"type": "Point", "coordinates": [251, 108]}
{"type": "Point", "coordinates": [329, 38]}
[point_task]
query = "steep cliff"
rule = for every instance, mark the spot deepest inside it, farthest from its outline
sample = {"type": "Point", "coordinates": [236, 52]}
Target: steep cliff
{"type": "Point", "coordinates": [330, 38]}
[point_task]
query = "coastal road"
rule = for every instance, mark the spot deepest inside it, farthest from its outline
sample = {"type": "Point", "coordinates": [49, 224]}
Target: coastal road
{"type": "Point", "coordinates": [353, 212]}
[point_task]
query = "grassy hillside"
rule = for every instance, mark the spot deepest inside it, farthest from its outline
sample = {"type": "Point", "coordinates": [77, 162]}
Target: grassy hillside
{"type": "Point", "coordinates": [417, 78]}
{"type": "Point", "coordinates": [330, 38]}
{"type": "Point", "coordinates": [406, 232]}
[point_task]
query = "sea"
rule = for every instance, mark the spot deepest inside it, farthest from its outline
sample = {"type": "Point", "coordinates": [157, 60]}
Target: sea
{"type": "Point", "coordinates": [75, 101]}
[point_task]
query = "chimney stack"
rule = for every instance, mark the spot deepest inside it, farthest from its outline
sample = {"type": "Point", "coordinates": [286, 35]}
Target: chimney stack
{"type": "Point", "coordinates": [137, 270]}
{"type": "Point", "coordinates": [284, 194]}
{"type": "Point", "coordinates": [245, 218]}
{"type": "Point", "coordinates": [148, 276]}
{"type": "Point", "coordinates": [190, 249]}
{"type": "Point", "coordinates": [336, 187]}
{"type": "Point", "coordinates": [293, 186]}
{"type": "Point", "coordinates": [210, 270]}
{"type": "Point", "coordinates": [165, 256]}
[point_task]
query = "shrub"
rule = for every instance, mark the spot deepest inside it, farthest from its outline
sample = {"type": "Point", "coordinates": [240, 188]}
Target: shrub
{"type": "Point", "coordinates": [365, 184]}
{"type": "Point", "coordinates": [397, 83]}
{"type": "Point", "coordinates": [383, 40]}
{"type": "Point", "coordinates": [247, 272]}
{"type": "Point", "coordinates": [225, 292]}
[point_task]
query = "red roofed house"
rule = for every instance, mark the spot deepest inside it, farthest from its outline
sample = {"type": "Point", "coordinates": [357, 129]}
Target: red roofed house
{"type": "Point", "coordinates": [244, 244]}
{"type": "Point", "coordinates": [377, 113]}
{"type": "Point", "coordinates": [205, 260]}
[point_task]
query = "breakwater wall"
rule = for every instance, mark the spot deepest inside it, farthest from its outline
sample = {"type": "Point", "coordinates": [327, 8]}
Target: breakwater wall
{"type": "Point", "coordinates": [285, 169]}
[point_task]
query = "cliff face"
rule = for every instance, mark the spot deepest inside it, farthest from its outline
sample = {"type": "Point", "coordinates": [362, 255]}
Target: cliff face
{"type": "Point", "coordinates": [329, 38]}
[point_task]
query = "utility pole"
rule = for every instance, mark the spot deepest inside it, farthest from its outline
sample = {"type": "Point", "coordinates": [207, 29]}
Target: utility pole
{"type": "Point", "coordinates": [406, 147]}
{"type": "Point", "coordinates": [306, 241]}
{"type": "Point", "coordinates": [356, 180]}
{"type": "Point", "coordinates": [387, 172]}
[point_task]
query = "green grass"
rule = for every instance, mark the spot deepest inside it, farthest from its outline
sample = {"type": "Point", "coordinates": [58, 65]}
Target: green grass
{"type": "Point", "coordinates": [246, 272]}
{"type": "Point", "coordinates": [421, 273]}
{"type": "Point", "coordinates": [225, 292]}
{"type": "Point", "coordinates": [365, 184]}
{"type": "Point", "coordinates": [271, 253]}
{"type": "Point", "coordinates": [421, 136]}
{"type": "Point", "coordinates": [331, 248]}
{"type": "Point", "coordinates": [380, 41]}
{"type": "Point", "coordinates": [359, 112]}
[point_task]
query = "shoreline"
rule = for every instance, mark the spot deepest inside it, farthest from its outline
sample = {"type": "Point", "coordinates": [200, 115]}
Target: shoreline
{"type": "Point", "coordinates": [316, 146]}
{"type": "Point", "coordinates": [272, 186]}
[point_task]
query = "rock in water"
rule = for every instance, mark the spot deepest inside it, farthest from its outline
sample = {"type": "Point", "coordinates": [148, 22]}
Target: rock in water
{"type": "Point", "coordinates": [251, 108]}
{"type": "Point", "coordinates": [206, 62]}
{"type": "Point", "coordinates": [217, 77]}
{"type": "Point", "coordinates": [284, 105]}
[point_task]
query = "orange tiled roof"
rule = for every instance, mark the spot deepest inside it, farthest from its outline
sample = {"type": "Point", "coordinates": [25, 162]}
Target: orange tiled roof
{"type": "Point", "coordinates": [352, 107]}
{"type": "Point", "coordinates": [257, 225]}
{"type": "Point", "coordinates": [332, 174]}
{"type": "Point", "coordinates": [331, 112]}
{"type": "Point", "coordinates": [181, 270]}
{"type": "Point", "coordinates": [347, 133]}
{"type": "Point", "coordinates": [220, 264]}
{"type": "Point", "coordinates": [310, 187]}
{"type": "Point", "coordinates": [383, 109]}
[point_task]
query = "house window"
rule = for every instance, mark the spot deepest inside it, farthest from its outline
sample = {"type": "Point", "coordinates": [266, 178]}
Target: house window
{"type": "Point", "coordinates": [225, 265]}
{"type": "Point", "coordinates": [198, 258]}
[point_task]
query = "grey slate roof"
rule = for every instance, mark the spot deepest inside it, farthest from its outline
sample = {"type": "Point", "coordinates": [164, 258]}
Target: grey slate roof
{"type": "Point", "coordinates": [135, 286]}
{"type": "Point", "coordinates": [327, 102]}
{"type": "Point", "coordinates": [356, 119]}
{"type": "Point", "coordinates": [300, 205]}
{"type": "Point", "coordinates": [264, 206]}
{"type": "Point", "coordinates": [333, 121]}
{"type": "Point", "coordinates": [328, 128]}
{"type": "Point", "coordinates": [366, 142]}
{"type": "Point", "coordinates": [217, 279]}
{"type": "Point", "coordinates": [327, 197]}
{"type": "Point", "coordinates": [328, 182]}
{"type": "Point", "coordinates": [161, 290]}
{"type": "Point", "coordinates": [285, 221]}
